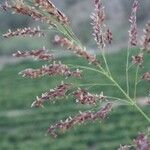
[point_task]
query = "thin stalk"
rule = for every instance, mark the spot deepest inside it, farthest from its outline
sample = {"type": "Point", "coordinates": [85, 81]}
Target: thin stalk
{"type": "Point", "coordinates": [130, 100]}
{"type": "Point", "coordinates": [119, 99]}
{"type": "Point", "coordinates": [127, 70]}
{"type": "Point", "coordinates": [105, 61]}
{"type": "Point", "coordinates": [85, 67]}
{"type": "Point", "coordinates": [69, 30]}
{"type": "Point", "coordinates": [142, 112]}
{"type": "Point", "coordinates": [136, 82]}
{"type": "Point", "coordinates": [130, 66]}
{"type": "Point", "coordinates": [93, 84]}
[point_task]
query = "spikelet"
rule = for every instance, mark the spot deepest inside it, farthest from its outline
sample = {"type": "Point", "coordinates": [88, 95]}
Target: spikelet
{"type": "Point", "coordinates": [138, 59]}
{"type": "Point", "coordinates": [146, 76]}
{"type": "Point", "coordinates": [84, 97]}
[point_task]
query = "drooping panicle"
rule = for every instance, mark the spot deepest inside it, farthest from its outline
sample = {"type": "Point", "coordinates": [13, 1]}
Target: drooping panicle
{"type": "Point", "coordinates": [20, 7]}
{"type": "Point", "coordinates": [84, 97]}
{"type": "Point", "coordinates": [101, 33]}
{"type": "Point", "coordinates": [79, 119]}
{"type": "Point", "coordinates": [49, 7]}
{"type": "Point", "coordinates": [51, 70]}
{"type": "Point", "coordinates": [133, 24]}
{"type": "Point", "coordinates": [25, 32]}
{"type": "Point", "coordinates": [145, 42]}
{"type": "Point", "coordinates": [51, 95]}
{"type": "Point", "coordinates": [40, 54]}
{"type": "Point", "coordinates": [64, 42]}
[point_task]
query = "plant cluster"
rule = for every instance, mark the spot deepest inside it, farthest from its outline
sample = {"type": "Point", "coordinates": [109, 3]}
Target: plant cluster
{"type": "Point", "coordinates": [44, 11]}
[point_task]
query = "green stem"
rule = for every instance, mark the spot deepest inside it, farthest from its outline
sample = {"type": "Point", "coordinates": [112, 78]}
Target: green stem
{"type": "Point", "coordinates": [136, 81]}
{"type": "Point", "coordinates": [127, 70]}
{"type": "Point", "coordinates": [142, 112]}
{"type": "Point", "coordinates": [93, 84]}
{"type": "Point", "coordinates": [119, 99]}
{"type": "Point", "coordinates": [105, 61]}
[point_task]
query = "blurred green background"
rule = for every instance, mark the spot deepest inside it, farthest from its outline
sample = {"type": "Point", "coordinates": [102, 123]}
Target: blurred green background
{"type": "Point", "coordinates": [23, 128]}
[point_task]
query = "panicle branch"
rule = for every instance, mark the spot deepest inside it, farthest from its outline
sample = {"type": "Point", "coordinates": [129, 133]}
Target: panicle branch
{"type": "Point", "coordinates": [133, 27]}
{"type": "Point", "coordinates": [80, 119]}
{"type": "Point", "coordinates": [64, 42]}
{"type": "Point", "coordinates": [51, 70]}
{"type": "Point", "coordinates": [58, 92]}
{"type": "Point", "coordinates": [25, 32]}
{"type": "Point", "coordinates": [49, 7]}
{"type": "Point", "coordinates": [145, 42]}
{"type": "Point", "coordinates": [20, 7]}
{"type": "Point", "coordinates": [101, 34]}
{"type": "Point", "coordinates": [41, 54]}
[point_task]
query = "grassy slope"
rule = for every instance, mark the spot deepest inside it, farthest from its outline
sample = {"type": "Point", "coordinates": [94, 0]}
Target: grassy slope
{"type": "Point", "coordinates": [23, 128]}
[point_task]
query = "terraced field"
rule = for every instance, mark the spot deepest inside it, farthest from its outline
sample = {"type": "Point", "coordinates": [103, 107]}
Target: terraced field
{"type": "Point", "coordinates": [23, 128]}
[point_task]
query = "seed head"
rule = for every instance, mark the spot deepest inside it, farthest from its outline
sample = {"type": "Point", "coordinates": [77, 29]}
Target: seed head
{"type": "Point", "coordinates": [41, 54]}
{"type": "Point", "coordinates": [58, 92]}
{"type": "Point", "coordinates": [81, 118]}
{"type": "Point", "coordinates": [64, 42]}
{"type": "Point", "coordinates": [101, 34]}
{"type": "Point", "coordinates": [25, 32]}
{"type": "Point", "coordinates": [133, 24]}
{"type": "Point", "coordinates": [51, 70]}
{"type": "Point", "coordinates": [145, 42]}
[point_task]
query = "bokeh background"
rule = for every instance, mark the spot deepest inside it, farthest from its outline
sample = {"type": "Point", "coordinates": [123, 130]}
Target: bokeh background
{"type": "Point", "coordinates": [23, 128]}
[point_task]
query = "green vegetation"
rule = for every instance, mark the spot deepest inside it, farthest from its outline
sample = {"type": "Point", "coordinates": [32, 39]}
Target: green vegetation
{"type": "Point", "coordinates": [23, 128]}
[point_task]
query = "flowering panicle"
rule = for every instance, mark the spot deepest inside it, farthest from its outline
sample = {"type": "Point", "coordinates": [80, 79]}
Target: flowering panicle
{"type": "Point", "coordinates": [138, 59]}
{"type": "Point", "coordinates": [142, 142]}
{"type": "Point", "coordinates": [64, 42]}
{"type": "Point", "coordinates": [49, 7]}
{"type": "Point", "coordinates": [41, 54]}
{"type": "Point", "coordinates": [51, 70]}
{"type": "Point", "coordinates": [80, 119]}
{"type": "Point", "coordinates": [146, 76]}
{"type": "Point", "coordinates": [25, 32]}
{"type": "Point", "coordinates": [58, 92]}
{"type": "Point", "coordinates": [19, 7]}
{"type": "Point", "coordinates": [84, 97]}
{"type": "Point", "coordinates": [133, 27]}
{"type": "Point", "coordinates": [102, 35]}
{"type": "Point", "coordinates": [145, 42]}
